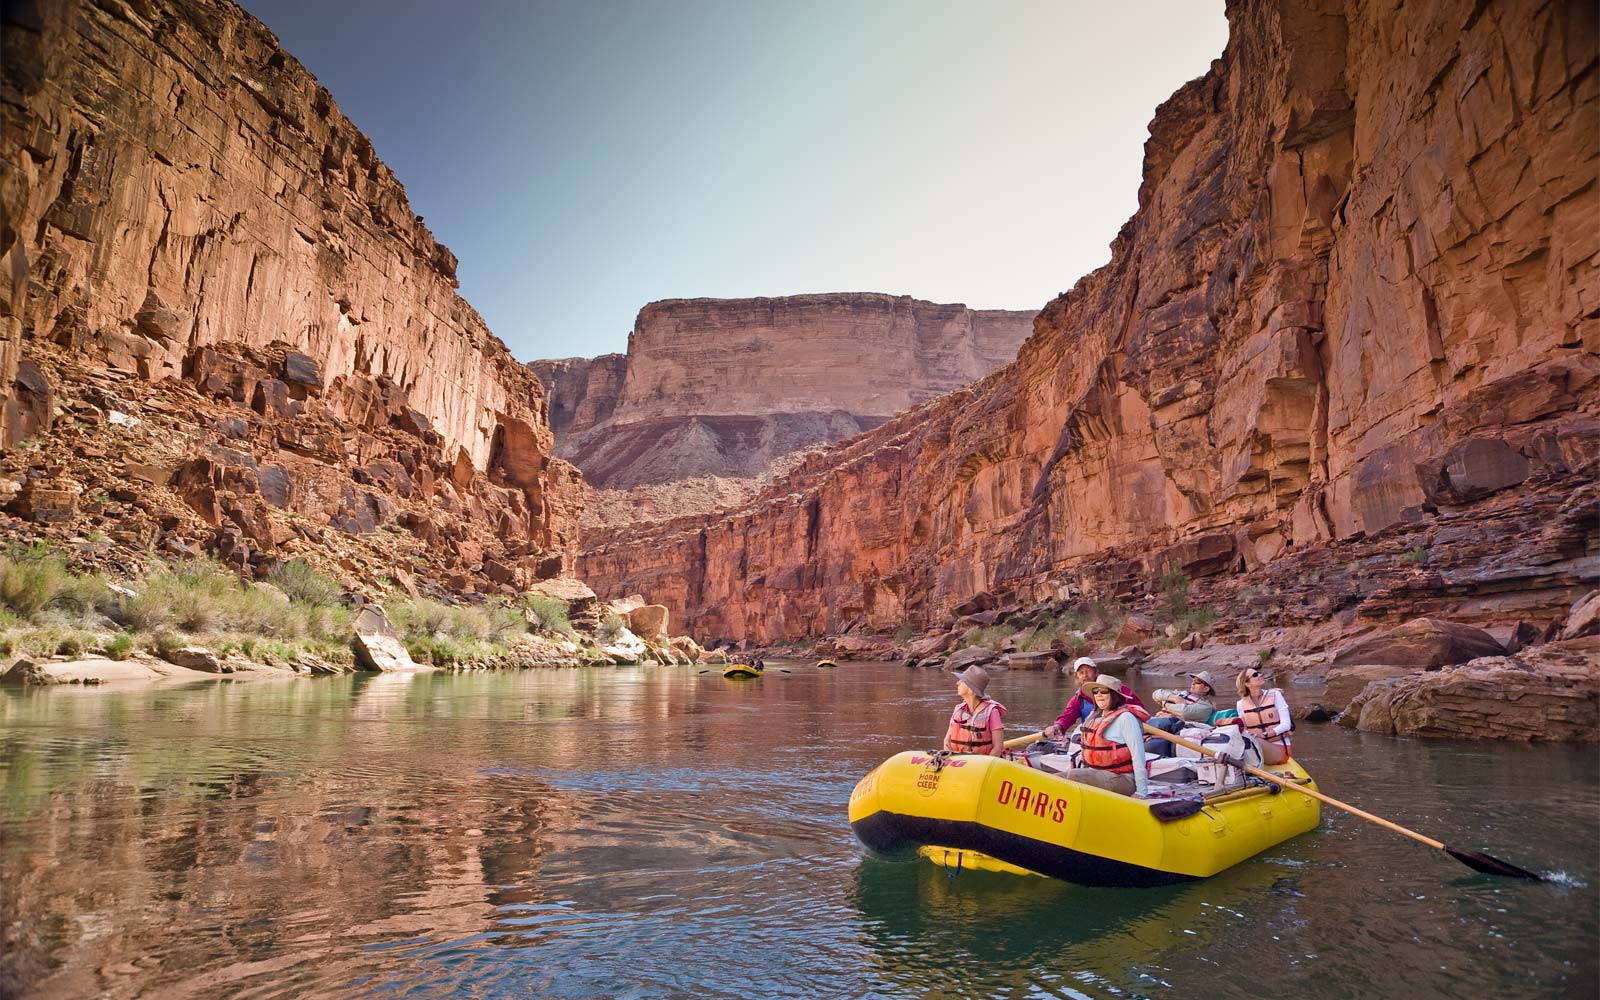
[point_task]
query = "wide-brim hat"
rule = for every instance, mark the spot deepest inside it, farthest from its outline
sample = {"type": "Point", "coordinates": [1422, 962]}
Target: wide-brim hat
{"type": "Point", "coordinates": [1105, 682]}
{"type": "Point", "coordinates": [1205, 675]}
{"type": "Point", "coordinates": [974, 677]}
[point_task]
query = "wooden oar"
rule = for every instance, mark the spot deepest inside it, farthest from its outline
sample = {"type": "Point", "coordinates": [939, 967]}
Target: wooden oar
{"type": "Point", "coordinates": [1475, 860]}
{"type": "Point", "coordinates": [1022, 741]}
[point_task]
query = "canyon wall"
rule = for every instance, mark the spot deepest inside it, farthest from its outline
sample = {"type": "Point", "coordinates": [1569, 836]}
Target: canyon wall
{"type": "Point", "coordinates": [174, 181]}
{"type": "Point", "coordinates": [1361, 288]}
{"type": "Point", "coordinates": [724, 386]}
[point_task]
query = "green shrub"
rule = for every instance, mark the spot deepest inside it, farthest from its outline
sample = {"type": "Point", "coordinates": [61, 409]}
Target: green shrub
{"type": "Point", "coordinates": [904, 634]}
{"type": "Point", "coordinates": [552, 612]}
{"type": "Point", "coordinates": [119, 646]}
{"type": "Point", "coordinates": [35, 579]}
{"type": "Point", "coordinates": [70, 645]}
{"type": "Point", "coordinates": [986, 635]}
{"type": "Point", "coordinates": [424, 618]}
{"type": "Point", "coordinates": [301, 583]}
{"type": "Point", "coordinates": [1417, 555]}
{"type": "Point", "coordinates": [612, 625]}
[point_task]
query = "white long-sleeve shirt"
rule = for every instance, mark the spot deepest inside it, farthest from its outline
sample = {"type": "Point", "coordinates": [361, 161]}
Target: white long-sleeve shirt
{"type": "Point", "coordinates": [1275, 695]}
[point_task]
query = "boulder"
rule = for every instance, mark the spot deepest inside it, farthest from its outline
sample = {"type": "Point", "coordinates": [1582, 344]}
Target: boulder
{"type": "Point", "coordinates": [622, 606]}
{"type": "Point", "coordinates": [562, 588]}
{"type": "Point", "coordinates": [377, 644]}
{"type": "Point", "coordinates": [687, 647]}
{"type": "Point", "coordinates": [195, 658]}
{"type": "Point", "coordinates": [981, 601]}
{"type": "Point", "coordinates": [1135, 630]}
{"type": "Point", "coordinates": [1421, 644]}
{"type": "Point", "coordinates": [1029, 661]}
{"type": "Point", "coordinates": [928, 645]}
{"type": "Point", "coordinates": [1345, 682]}
{"type": "Point", "coordinates": [1584, 618]}
{"type": "Point", "coordinates": [969, 656]}
{"type": "Point", "coordinates": [1547, 693]}
{"type": "Point", "coordinates": [45, 501]}
{"type": "Point", "coordinates": [89, 671]}
{"type": "Point", "coordinates": [624, 648]}
{"type": "Point", "coordinates": [649, 622]}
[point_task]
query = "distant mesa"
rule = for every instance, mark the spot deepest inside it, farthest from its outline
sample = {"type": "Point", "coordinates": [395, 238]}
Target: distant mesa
{"type": "Point", "coordinates": [725, 387]}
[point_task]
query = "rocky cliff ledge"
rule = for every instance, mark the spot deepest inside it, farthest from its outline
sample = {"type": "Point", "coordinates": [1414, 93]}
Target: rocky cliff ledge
{"type": "Point", "coordinates": [184, 206]}
{"type": "Point", "coordinates": [722, 387]}
{"type": "Point", "coordinates": [1360, 296]}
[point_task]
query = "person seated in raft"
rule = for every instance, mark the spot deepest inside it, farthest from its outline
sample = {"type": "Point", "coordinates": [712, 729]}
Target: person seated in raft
{"type": "Point", "coordinates": [1078, 706]}
{"type": "Point", "coordinates": [1264, 713]}
{"type": "Point", "coordinates": [1113, 741]}
{"type": "Point", "coordinates": [976, 725]}
{"type": "Point", "coordinates": [1181, 708]}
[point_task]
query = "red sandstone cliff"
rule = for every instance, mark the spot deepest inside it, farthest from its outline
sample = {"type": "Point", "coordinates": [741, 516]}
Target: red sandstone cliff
{"type": "Point", "coordinates": [722, 387]}
{"type": "Point", "coordinates": [182, 200]}
{"type": "Point", "coordinates": [1360, 294]}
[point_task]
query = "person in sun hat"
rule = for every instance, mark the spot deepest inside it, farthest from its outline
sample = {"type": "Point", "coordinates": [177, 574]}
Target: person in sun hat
{"type": "Point", "coordinates": [1182, 708]}
{"type": "Point", "coordinates": [976, 724]}
{"type": "Point", "coordinates": [1113, 741]}
{"type": "Point", "coordinates": [1078, 706]}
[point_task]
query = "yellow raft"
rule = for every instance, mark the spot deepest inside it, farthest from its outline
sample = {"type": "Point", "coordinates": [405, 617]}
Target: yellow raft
{"type": "Point", "coordinates": [740, 670]}
{"type": "Point", "coordinates": [825, 664]}
{"type": "Point", "coordinates": [988, 812]}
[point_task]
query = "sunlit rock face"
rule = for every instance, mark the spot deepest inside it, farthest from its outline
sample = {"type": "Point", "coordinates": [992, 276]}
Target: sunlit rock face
{"type": "Point", "coordinates": [1361, 287]}
{"type": "Point", "coordinates": [722, 387]}
{"type": "Point", "coordinates": [176, 183]}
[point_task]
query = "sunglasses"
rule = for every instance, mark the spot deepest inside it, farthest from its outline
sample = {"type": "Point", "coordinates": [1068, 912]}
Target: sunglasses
{"type": "Point", "coordinates": [1253, 675]}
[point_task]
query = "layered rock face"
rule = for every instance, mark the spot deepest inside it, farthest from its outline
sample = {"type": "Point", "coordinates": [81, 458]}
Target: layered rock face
{"type": "Point", "coordinates": [183, 200]}
{"type": "Point", "coordinates": [722, 387]}
{"type": "Point", "coordinates": [1360, 293]}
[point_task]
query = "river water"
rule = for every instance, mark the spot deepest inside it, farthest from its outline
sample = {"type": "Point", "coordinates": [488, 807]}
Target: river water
{"type": "Point", "coordinates": [661, 832]}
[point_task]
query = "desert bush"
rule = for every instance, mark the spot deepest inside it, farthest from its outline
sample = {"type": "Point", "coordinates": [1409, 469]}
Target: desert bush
{"type": "Point", "coordinates": [1416, 555]}
{"type": "Point", "coordinates": [119, 646]}
{"type": "Point", "coordinates": [986, 635]}
{"type": "Point", "coordinates": [552, 612]}
{"type": "Point", "coordinates": [904, 634]}
{"type": "Point", "coordinates": [612, 625]}
{"type": "Point", "coordinates": [302, 583]}
{"type": "Point", "coordinates": [423, 618]}
{"type": "Point", "coordinates": [35, 579]}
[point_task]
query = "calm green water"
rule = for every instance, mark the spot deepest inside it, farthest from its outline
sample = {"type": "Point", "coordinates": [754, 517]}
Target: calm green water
{"type": "Point", "coordinates": [657, 832]}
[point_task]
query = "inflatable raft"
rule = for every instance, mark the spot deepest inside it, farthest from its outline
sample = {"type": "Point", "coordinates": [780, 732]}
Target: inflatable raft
{"type": "Point", "coordinates": [991, 813]}
{"type": "Point", "coordinates": [825, 664]}
{"type": "Point", "coordinates": [740, 670]}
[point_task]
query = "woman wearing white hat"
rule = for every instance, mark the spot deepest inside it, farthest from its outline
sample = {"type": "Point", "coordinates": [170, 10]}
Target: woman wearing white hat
{"type": "Point", "coordinates": [976, 725]}
{"type": "Point", "coordinates": [1113, 741]}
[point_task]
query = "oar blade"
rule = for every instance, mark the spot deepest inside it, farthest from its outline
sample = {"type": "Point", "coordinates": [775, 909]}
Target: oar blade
{"type": "Point", "coordinates": [1480, 862]}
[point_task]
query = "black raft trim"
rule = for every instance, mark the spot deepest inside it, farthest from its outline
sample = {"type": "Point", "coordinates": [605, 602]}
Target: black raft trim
{"type": "Point", "coordinates": [889, 833]}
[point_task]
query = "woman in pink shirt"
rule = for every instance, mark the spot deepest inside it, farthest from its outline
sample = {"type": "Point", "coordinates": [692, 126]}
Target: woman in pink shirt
{"type": "Point", "coordinates": [976, 725]}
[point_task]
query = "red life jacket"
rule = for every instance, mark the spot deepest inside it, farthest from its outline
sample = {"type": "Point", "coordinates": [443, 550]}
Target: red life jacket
{"type": "Point", "coordinates": [1101, 752]}
{"type": "Point", "coordinates": [1261, 720]}
{"type": "Point", "coordinates": [969, 730]}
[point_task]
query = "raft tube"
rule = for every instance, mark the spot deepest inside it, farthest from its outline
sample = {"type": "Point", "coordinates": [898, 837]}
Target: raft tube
{"type": "Point", "coordinates": [740, 670]}
{"type": "Point", "coordinates": [824, 664]}
{"type": "Point", "coordinates": [988, 812]}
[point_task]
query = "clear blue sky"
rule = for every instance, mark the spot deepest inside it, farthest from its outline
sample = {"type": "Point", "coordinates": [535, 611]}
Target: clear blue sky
{"type": "Point", "coordinates": [584, 158]}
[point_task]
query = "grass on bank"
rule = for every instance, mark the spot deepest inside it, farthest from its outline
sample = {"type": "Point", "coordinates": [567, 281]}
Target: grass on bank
{"type": "Point", "coordinates": [48, 609]}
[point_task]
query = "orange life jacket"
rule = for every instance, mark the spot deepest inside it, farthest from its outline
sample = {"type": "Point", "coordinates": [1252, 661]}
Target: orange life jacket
{"type": "Point", "coordinates": [1101, 752]}
{"type": "Point", "coordinates": [969, 730]}
{"type": "Point", "coordinates": [1262, 719]}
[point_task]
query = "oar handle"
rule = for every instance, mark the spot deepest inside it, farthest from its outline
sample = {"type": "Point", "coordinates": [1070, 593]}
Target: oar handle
{"type": "Point", "coordinates": [1283, 783]}
{"type": "Point", "coordinates": [1022, 741]}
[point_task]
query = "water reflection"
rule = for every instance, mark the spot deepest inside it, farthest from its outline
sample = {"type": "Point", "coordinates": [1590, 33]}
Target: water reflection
{"type": "Point", "coordinates": [656, 832]}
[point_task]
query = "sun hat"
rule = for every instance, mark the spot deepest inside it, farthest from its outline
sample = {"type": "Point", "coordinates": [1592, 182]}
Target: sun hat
{"type": "Point", "coordinates": [974, 677]}
{"type": "Point", "coordinates": [1205, 676]}
{"type": "Point", "coordinates": [1105, 682]}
